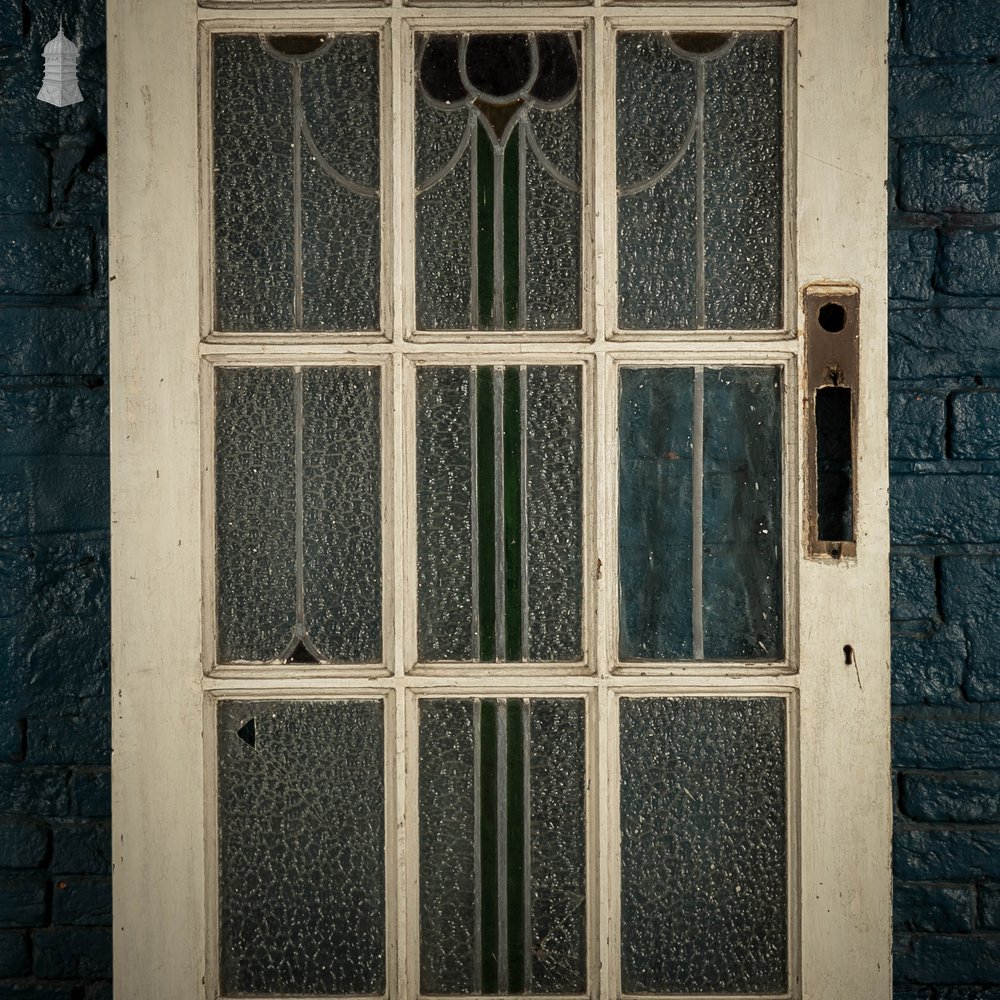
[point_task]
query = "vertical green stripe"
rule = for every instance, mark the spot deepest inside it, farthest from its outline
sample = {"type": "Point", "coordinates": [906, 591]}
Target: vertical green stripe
{"type": "Point", "coordinates": [484, 205]}
{"type": "Point", "coordinates": [517, 959]}
{"type": "Point", "coordinates": [511, 225]}
{"type": "Point", "coordinates": [488, 845]}
{"type": "Point", "coordinates": [512, 509]}
{"type": "Point", "coordinates": [487, 515]}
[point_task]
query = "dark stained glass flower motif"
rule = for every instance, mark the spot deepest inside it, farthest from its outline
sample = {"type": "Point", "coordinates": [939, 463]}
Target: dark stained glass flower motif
{"type": "Point", "coordinates": [500, 76]}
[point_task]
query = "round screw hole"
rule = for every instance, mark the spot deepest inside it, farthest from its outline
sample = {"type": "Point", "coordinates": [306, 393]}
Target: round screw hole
{"type": "Point", "coordinates": [832, 317]}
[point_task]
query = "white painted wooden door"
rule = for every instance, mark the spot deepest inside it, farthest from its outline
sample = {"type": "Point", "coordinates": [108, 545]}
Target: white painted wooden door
{"type": "Point", "coordinates": [499, 499]}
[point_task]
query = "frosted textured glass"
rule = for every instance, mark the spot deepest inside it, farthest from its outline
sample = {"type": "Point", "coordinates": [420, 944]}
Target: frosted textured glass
{"type": "Point", "coordinates": [342, 508]}
{"type": "Point", "coordinates": [722, 270]}
{"type": "Point", "coordinates": [444, 514]}
{"type": "Point", "coordinates": [703, 846]}
{"type": "Point", "coordinates": [254, 512]}
{"type": "Point", "coordinates": [555, 513]}
{"type": "Point", "coordinates": [502, 846]}
{"type": "Point", "coordinates": [301, 847]}
{"type": "Point", "coordinates": [296, 138]}
{"type": "Point", "coordinates": [717, 431]}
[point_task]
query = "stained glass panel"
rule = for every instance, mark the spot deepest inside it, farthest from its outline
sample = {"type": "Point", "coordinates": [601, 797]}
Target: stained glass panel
{"type": "Point", "coordinates": [498, 156]}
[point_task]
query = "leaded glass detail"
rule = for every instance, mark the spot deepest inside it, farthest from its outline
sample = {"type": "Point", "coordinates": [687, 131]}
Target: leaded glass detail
{"type": "Point", "coordinates": [700, 180]}
{"type": "Point", "coordinates": [298, 514]}
{"type": "Point", "coordinates": [499, 513]}
{"type": "Point", "coordinates": [498, 159]}
{"type": "Point", "coordinates": [296, 182]}
{"type": "Point", "coordinates": [502, 846]}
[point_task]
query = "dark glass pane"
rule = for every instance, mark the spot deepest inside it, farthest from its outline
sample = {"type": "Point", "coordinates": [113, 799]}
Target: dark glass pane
{"type": "Point", "coordinates": [296, 158]}
{"type": "Point", "coordinates": [704, 846]}
{"type": "Point", "coordinates": [502, 846]}
{"type": "Point", "coordinates": [301, 848]}
{"type": "Point", "coordinates": [700, 204]}
{"type": "Point", "coordinates": [498, 142]}
{"type": "Point", "coordinates": [499, 513]}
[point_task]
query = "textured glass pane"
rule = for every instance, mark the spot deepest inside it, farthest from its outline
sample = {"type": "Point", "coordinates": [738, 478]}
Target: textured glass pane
{"type": "Point", "coordinates": [296, 177]}
{"type": "Point", "coordinates": [700, 514]}
{"type": "Point", "coordinates": [298, 514]}
{"type": "Point", "coordinates": [502, 846]}
{"type": "Point", "coordinates": [498, 142]}
{"type": "Point", "coordinates": [301, 848]}
{"type": "Point", "coordinates": [342, 512]}
{"type": "Point", "coordinates": [699, 131]}
{"type": "Point", "coordinates": [254, 512]}
{"type": "Point", "coordinates": [703, 849]}
{"type": "Point", "coordinates": [499, 485]}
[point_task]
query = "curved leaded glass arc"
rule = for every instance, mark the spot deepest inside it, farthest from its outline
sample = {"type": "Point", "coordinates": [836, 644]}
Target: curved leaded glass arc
{"type": "Point", "coordinates": [498, 160]}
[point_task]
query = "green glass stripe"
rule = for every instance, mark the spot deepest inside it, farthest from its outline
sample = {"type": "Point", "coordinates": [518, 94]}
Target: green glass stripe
{"type": "Point", "coordinates": [488, 845]}
{"type": "Point", "coordinates": [484, 236]}
{"type": "Point", "coordinates": [517, 959]}
{"type": "Point", "coordinates": [511, 226]}
{"type": "Point", "coordinates": [487, 514]}
{"type": "Point", "coordinates": [512, 509]}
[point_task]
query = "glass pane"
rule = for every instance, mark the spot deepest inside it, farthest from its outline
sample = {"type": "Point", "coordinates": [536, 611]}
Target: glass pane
{"type": "Point", "coordinates": [502, 846]}
{"type": "Point", "coordinates": [700, 514]}
{"type": "Point", "coordinates": [499, 513]}
{"type": "Point", "coordinates": [703, 849]}
{"type": "Point", "coordinates": [298, 514]}
{"type": "Point", "coordinates": [301, 848]}
{"type": "Point", "coordinates": [700, 145]}
{"type": "Point", "coordinates": [296, 158]}
{"type": "Point", "coordinates": [498, 156]}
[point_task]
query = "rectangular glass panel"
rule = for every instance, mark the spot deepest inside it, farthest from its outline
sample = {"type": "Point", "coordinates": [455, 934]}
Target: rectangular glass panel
{"type": "Point", "coordinates": [296, 182]}
{"type": "Point", "coordinates": [498, 163]}
{"type": "Point", "coordinates": [499, 513]}
{"type": "Point", "coordinates": [301, 847]}
{"type": "Point", "coordinates": [298, 514]}
{"type": "Point", "coordinates": [699, 520]}
{"type": "Point", "coordinates": [703, 846]}
{"type": "Point", "coordinates": [502, 846]}
{"type": "Point", "coordinates": [700, 180]}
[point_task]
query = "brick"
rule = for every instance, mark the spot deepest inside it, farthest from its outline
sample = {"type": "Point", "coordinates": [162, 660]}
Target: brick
{"type": "Point", "coordinates": [911, 264]}
{"type": "Point", "coordinates": [53, 340]}
{"type": "Point", "coordinates": [81, 849]}
{"type": "Point", "coordinates": [969, 797]}
{"type": "Point", "coordinates": [944, 100]}
{"type": "Point", "coordinates": [24, 180]}
{"type": "Point", "coordinates": [982, 679]}
{"type": "Point", "coordinates": [914, 588]}
{"type": "Point", "coordinates": [56, 420]}
{"type": "Point", "coordinates": [36, 991]}
{"type": "Point", "coordinates": [90, 792]}
{"type": "Point", "coordinates": [970, 263]}
{"type": "Point", "coordinates": [12, 739]}
{"type": "Point", "coordinates": [968, 588]}
{"type": "Point", "coordinates": [70, 658]}
{"type": "Point", "coordinates": [944, 343]}
{"type": "Point", "coordinates": [86, 902]}
{"type": "Point", "coordinates": [15, 957]}
{"type": "Point", "coordinates": [99, 991]}
{"type": "Point", "coordinates": [946, 855]}
{"type": "Point", "coordinates": [73, 577]}
{"type": "Point", "coordinates": [70, 493]}
{"type": "Point", "coordinates": [957, 177]}
{"type": "Point", "coordinates": [945, 508]}
{"type": "Point", "coordinates": [928, 668]}
{"type": "Point", "coordinates": [61, 740]}
{"type": "Point", "coordinates": [23, 902]}
{"type": "Point", "coordinates": [960, 29]}
{"type": "Point", "coordinates": [917, 424]}
{"type": "Point", "coordinates": [34, 791]}
{"type": "Point", "coordinates": [920, 906]}
{"type": "Point", "coordinates": [933, 958]}
{"type": "Point", "coordinates": [975, 424]}
{"type": "Point", "coordinates": [45, 261]}
{"type": "Point", "coordinates": [989, 905]}
{"type": "Point", "coordinates": [24, 843]}
{"type": "Point", "coordinates": [17, 577]}
{"type": "Point", "coordinates": [72, 953]}
{"type": "Point", "coordinates": [944, 744]}
{"type": "Point", "coordinates": [15, 498]}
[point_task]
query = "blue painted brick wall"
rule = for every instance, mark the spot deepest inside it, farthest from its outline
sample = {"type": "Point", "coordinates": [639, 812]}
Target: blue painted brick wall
{"type": "Point", "coordinates": [945, 429]}
{"type": "Point", "coordinates": [55, 889]}
{"type": "Point", "coordinates": [944, 330]}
